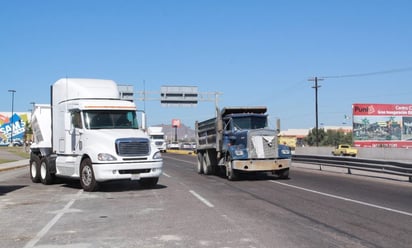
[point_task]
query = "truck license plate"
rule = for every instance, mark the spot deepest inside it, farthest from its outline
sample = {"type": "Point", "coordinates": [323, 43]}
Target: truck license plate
{"type": "Point", "coordinates": [135, 176]}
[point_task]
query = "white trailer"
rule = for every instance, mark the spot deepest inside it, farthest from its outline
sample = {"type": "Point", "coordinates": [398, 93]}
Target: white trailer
{"type": "Point", "coordinates": [158, 137]}
{"type": "Point", "coordinates": [90, 133]}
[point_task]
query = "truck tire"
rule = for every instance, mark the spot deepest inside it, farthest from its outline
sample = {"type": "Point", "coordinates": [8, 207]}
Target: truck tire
{"type": "Point", "coordinates": [199, 167]}
{"type": "Point", "coordinates": [283, 174]}
{"type": "Point", "coordinates": [35, 169]}
{"type": "Point", "coordinates": [207, 167]}
{"type": "Point", "coordinates": [45, 176]}
{"type": "Point", "coordinates": [231, 174]}
{"type": "Point", "coordinates": [148, 182]}
{"type": "Point", "coordinates": [87, 179]}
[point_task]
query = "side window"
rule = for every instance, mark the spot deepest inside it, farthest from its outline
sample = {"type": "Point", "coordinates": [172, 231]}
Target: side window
{"type": "Point", "coordinates": [76, 119]}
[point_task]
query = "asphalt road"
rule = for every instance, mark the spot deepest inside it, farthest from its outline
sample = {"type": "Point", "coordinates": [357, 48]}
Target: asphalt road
{"type": "Point", "coordinates": [312, 209]}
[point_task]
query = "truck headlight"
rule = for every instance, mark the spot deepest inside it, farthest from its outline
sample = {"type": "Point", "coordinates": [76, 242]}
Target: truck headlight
{"type": "Point", "coordinates": [239, 152]}
{"type": "Point", "coordinates": [105, 157]}
{"type": "Point", "coordinates": [285, 152]}
{"type": "Point", "coordinates": [157, 155]}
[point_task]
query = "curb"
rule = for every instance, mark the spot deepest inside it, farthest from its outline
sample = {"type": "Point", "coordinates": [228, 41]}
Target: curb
{"type": "Point", "coordinates": [14, 165]}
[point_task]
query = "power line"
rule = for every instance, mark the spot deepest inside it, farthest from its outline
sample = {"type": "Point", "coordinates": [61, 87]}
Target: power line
{"type": "Point", "coordinates": [371, 73]}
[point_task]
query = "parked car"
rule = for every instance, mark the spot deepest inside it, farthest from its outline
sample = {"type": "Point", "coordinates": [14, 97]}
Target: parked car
{"type": "Point", "coordinates": [18, 142]}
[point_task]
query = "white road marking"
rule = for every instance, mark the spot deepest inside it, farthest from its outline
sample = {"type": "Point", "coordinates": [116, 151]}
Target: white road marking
{"type": "Point", "coordinates": [344, 199]}
{"type": "Point", "coordinates": [51, 223]}
{"type": "Point", "coordinates": [166, 175]}
{"type": "Point", "coordinates": [206, 202]}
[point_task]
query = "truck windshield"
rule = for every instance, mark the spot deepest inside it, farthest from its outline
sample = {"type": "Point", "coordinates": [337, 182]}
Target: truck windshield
{"type": "Point", "coordinates": [110, 119]}
{"type": "Point", "coordinates": [157, 136]}
{"type": "Point", "coordinates": [250, 122]}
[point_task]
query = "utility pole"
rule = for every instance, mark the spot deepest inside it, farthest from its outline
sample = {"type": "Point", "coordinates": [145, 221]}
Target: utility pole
{"type": "Point", "coordinates": [316, 87]}
{"type": "Point", "coordinates": [12, 113]}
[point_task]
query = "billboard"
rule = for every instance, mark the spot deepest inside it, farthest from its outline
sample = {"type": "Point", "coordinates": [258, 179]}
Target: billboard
{"type": "Point", "coordinates": [12, 125]}
{"type": "Point", "coordinates": [175, 123]}
{"type": "Point", "coordinates": [382, 125]}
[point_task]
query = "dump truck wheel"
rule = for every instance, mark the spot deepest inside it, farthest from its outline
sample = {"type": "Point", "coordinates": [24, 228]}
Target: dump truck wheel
{"type": "Point", "coordinates": [207, 167]}
{"type": "Point", "coordinates": [199, 167]}
{"type": "Point", "coordinates": [45, 176]}
{"type": "Point", "coordinates": [87, 179]}
{"type": "Point", "coordinates": [231, 174]}
{"type": "Point", "coordinates": [35, 169]}
{"type": "Point", "coordinates": [283, 174]}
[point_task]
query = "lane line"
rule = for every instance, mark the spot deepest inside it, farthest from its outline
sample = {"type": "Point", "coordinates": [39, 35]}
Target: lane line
{"type": "Point", "coordinates": [206, 202]}
{"type": "Point", "coordinates": [345, 199]}
{"type": "Point", "coordinates": [166, 175]}
{"type": "Point", "coordinates": [51, 223]}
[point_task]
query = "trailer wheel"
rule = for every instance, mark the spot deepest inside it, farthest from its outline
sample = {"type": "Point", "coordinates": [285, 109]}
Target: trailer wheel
{"type": "Point", "coordinates": [87, 179]}
{"type": "Point", "coordinates": [207, 167]}
{"type": "Point", "coordinates": [45, 176]}
{"type": "Point", "coordinates": [199, 167]}
{"type": "Point", "coordinates": [35, 169]}
{"type": "Point", "coordinates": [148, 182]}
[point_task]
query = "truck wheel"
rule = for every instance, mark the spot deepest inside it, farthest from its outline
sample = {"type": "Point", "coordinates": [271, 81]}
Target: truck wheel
{"type": "Point", "coordinates": [231, 174]}
{"type": "Point", "coordinates": [207, 167]}
{"type": "Point", "coordinates": [87, 179]}
{"type": "Point", "coordinates": [148, 182]}
{"type": "Point", "coordinates": [199, 167]}
{"type": "Point", "coordinates": [283, 174]}
{"type": "Point", "coordinates": [45, 176]}
{"type": "Point", "coordinates": [35, 169]}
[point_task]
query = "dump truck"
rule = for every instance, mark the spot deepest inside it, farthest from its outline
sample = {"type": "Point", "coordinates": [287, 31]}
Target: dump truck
{"type": "Point", "coordinates": [238, 141]}
{"type": "Point", "coordinates": [89, 132]}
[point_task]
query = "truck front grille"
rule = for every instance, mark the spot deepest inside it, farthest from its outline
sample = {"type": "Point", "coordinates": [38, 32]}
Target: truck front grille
{"type": "Point", "coordinates": [262, 144]}
{"type": "Point", "coordinates": [133, 147]}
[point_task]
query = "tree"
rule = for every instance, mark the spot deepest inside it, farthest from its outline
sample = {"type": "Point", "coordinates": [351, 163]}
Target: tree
{"type": "Point", "coordinates": [328, 138]}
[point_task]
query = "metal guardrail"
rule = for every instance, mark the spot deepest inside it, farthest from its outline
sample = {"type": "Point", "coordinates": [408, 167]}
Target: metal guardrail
{"type": "Point", "coordinates": [379, 166]}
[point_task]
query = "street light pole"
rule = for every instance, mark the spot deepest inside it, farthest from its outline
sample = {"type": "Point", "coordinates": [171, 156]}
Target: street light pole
{"type": "Point", "coordinates": [316, 86]}
{"type": "Point", "coordinates": [12, 113]}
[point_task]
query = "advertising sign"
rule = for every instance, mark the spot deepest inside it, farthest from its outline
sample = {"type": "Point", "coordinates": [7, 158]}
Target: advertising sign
{"type": "Point", "coordinates": [9, 126]}
{"type": "Point", "coordinates": [175, 123]}
{"type": "Point", "coordinates": [382, 125]}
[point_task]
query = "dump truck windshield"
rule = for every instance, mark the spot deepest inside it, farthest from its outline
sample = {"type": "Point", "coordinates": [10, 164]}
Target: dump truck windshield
{"type": "Point", "coordinates": [110, 119]}
{"type": "Point", "coordinates": [250, 122]}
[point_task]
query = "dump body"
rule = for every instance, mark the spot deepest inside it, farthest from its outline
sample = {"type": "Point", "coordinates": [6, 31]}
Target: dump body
{"type": "Point", "coordinates": [239, 140]}
{"type": "Point", "coordinates": [92, 134]}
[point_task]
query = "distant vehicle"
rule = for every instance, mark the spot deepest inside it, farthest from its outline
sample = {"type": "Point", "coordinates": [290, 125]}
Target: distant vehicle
{"type": "Point", "coordinates": [158, 137]}
{"type": "Point", "coordinates": [345, 150]}
{"type": "Point", "coordinates": [18, 142]}
{"type": "Point", "coordinates": [89, 132]}
{"type": "Point", "coordinates": [237, 141]}
{"type": "Point", "coordinates": [3, 144]}
{"type": "Point", "coordinates": [174, 146]}
{"type": "Point", "coordinates": [187, 146]}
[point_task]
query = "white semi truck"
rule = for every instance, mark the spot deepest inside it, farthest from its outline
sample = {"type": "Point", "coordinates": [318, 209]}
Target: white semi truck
{"type": "Point", "coordinates": [90, 133]}
{"type": "Point", "coordinates": [158, 137]}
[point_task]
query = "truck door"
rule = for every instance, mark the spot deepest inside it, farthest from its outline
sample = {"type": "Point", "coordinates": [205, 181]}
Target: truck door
{"type": "Point", "coordinates": [76, 143]}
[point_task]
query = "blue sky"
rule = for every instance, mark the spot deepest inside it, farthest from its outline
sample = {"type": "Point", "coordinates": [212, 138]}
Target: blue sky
{"type": "Point", "coordinates": [253, 52]}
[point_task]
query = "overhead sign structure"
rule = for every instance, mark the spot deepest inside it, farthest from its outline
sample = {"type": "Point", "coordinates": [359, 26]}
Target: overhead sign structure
{"type": "Point", "coordinates": [178, 95]}
{"type": "Point", "coordinates": [382, 125]}
{"type": "Point", "coordinates": [126, 92]}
